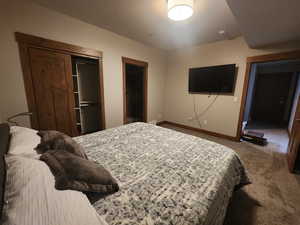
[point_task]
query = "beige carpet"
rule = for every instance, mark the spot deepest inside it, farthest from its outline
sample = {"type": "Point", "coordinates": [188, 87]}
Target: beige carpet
{"type": "Point", "coordinates": [273, 198]}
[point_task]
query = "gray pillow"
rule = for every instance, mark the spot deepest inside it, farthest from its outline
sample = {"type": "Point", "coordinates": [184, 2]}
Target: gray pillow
{"type": "Point", "coordinates": [54, 140]}
{"type": "Point", "coordinates": [75, 173]}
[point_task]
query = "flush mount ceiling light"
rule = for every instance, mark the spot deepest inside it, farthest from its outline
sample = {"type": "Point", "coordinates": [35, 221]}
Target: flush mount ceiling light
{"type": "Point", "coordinates": [180, 9]}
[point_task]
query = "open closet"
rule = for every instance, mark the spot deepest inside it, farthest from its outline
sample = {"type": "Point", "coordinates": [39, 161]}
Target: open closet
{"type": "Point", "coordinates": [64, 85]}
{"type": "Point", "coordinates": [86, 94]}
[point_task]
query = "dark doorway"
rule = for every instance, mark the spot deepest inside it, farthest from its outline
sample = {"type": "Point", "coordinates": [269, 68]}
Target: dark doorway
{"type": "Point", "coordinates": [272, 98]}
{"type": "Point", "coordinates": [135, 90]}
{"type": "Point", "coordinates": [273, 88]}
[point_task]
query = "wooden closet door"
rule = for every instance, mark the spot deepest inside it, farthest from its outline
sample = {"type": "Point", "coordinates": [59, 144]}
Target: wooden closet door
{"type": "Point", "coordinates": [52, 81]}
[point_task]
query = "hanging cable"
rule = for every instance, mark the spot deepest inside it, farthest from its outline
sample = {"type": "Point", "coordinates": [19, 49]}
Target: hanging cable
{"type": "Point", "coordinates": [195, 112]}
{"type": "Point", "coordinates": [197, 116]}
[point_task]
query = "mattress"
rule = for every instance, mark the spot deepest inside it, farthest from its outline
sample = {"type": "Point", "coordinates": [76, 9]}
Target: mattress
{"type": "Point", "coordinates": [165, 177]}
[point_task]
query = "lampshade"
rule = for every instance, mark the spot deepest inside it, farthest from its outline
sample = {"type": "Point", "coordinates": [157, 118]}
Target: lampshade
{"type": "Point", "coordinates": [180, 9]}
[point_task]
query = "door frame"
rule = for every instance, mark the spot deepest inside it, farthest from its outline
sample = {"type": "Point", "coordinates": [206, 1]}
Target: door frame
{"type": "Point", "coordinates": [143, 64]}
{"type": "Point", "coordinates": [249, 62]}
{"type": "Point", "coordinates": [26, 41]}
{"type": "Point", "coordinates": [293, 147]}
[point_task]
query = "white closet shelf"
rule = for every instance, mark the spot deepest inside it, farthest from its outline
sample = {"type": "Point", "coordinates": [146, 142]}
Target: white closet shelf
{"type": "Point", "coordinates": [88, 102]}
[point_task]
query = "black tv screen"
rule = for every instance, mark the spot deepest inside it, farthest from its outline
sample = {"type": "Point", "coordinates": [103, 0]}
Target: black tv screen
{"type": "Point", "coordinates": [213, 79]}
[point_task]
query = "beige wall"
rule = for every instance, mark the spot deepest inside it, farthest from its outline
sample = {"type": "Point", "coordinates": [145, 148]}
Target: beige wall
{"type": "Point", "coordinates": [168, 97]}
{"type": "Point", "coordinates": [32, 19]}
{"type": "Point", "coordinates": [224, 114]}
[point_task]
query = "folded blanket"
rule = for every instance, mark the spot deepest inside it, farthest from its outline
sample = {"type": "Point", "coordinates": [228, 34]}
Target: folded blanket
{"type": "Point", "coordinates": [75, 173]}
{"type": "Point", "coordinates": [54, 140]}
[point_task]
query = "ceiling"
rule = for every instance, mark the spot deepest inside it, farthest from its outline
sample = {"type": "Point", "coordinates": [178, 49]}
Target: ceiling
{"type": "Point", "coordinates": [146, 21]}
{"type": "Point", "coordinates": [265, 22]}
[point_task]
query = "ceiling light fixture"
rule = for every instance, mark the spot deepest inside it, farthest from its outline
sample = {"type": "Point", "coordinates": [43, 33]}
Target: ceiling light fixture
{"type": "Point", "coordinates": [180, 9]}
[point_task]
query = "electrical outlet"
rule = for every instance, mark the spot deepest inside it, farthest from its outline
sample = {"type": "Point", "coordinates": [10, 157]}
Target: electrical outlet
{"type": "Point", "coordinates": [154, 122]}
{"type": "Point", "coordinates": [235, 99]}
{"type": "Point", "coordinates": [204, 122]}
{"type": "Point", "coordinates": [191, 118]}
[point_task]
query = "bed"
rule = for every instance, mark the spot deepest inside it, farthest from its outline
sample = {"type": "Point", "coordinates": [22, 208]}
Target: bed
{"type": "Point", "coordinates": [165, 177]}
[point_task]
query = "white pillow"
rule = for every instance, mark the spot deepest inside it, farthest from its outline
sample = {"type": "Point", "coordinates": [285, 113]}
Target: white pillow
{"type": "Point", "coordinates": [31, 198]}
{"type": "Point", "coordinates": [23, 141]}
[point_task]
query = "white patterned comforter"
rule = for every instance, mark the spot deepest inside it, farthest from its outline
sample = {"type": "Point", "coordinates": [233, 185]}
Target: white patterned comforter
{"type": "Point", "coordinates": [165, 177]}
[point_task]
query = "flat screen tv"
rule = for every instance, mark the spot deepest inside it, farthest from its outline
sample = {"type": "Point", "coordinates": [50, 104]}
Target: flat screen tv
{"type": "Point", "coordinates": [213, 79]}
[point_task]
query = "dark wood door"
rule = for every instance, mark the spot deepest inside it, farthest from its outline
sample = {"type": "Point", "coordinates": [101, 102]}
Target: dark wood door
{"type": "Point", "coordinates": [52, 84]}
{"type": "Point", "coordinates": [270, 98]}
{"type": "Point", "coordinates": [294, 144]}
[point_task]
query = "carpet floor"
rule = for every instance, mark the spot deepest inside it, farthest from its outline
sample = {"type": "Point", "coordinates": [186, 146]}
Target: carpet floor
{"type": "Point", "coordinates": [273, 198]}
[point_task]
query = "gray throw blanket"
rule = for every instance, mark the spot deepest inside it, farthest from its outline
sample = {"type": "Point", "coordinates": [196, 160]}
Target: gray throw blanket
{"type": "Point", "coordinates": [54, 140]}
{"type": "Point", "coordinates": [75, 173]}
